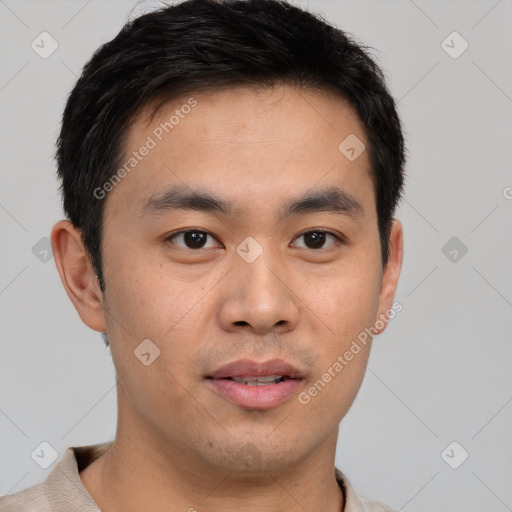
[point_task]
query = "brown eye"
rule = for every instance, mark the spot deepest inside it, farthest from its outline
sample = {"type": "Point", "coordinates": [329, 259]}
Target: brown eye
{"type": "Point", "coordinates": [316, 239]}
{"type": "Point", "coordinates": [192, 239]}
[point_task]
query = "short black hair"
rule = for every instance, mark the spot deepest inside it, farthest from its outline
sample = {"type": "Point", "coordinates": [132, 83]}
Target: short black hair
{"type": "Point", "coordinates": [208, 45]}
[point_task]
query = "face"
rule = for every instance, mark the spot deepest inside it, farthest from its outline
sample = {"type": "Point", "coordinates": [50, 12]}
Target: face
{"type": "Point", "coordinates": [279, 259]}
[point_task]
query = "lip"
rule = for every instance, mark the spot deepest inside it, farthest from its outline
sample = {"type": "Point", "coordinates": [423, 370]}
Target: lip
{"type": "Point", "coordinates": [255, 397]}
{"type": "Point", "coordinates": [248, 367]}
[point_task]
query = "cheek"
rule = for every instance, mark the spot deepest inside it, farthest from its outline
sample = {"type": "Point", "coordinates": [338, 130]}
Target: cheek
{"type": "Point", "coordinates": [346, 299]}
{"type": "Point", "coordinates": [151, 320]}
{"type": "Point", "coordinates": [148, 300]}
{"type": "Point", "coordinates": [157, 393]}
{"type": "Point", "coordinates": [347, 304]}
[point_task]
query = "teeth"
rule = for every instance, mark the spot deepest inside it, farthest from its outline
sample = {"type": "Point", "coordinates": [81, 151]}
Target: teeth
{"type": "Point", "coordinates": [257, 381]}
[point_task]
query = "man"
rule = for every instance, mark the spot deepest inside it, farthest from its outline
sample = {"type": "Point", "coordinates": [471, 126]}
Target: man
{"type": "Point", "coordinates": [230, 172]}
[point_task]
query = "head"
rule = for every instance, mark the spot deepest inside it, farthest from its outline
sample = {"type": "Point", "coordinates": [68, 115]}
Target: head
{"type": "Point", "coordinates": [216, 209]}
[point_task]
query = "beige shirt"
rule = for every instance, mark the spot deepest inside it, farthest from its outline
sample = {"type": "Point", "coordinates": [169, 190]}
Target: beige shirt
{"type": "Point", "coordinates": [63, 491]}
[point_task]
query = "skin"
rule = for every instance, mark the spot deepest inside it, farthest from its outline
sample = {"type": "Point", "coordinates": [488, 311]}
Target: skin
{"type": "Point", "coordinates": [178, 445]}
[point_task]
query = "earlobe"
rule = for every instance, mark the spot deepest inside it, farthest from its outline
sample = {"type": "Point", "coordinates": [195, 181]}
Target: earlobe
{"type": "Point", "coordinates": [77, 275]}
{"type": "Point", "coordinates": [391, 274]}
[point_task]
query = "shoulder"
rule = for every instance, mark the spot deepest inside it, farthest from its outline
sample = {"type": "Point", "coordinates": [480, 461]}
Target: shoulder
{"type": "Point", "coordinates": [62, 491]}
{"type": "Point", "coordinates": [31, 499]}
{"type": "Point", "coordinates": [355, 503]}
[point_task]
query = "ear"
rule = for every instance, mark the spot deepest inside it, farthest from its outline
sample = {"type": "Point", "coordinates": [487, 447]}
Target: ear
{"type": "Point", "coordinates": [77, 275]}
{"type": "Point", "coordinates": [391, 274]}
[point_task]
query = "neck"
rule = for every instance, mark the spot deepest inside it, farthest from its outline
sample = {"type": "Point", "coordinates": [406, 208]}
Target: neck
{"type": "Point", "coordinates": [144, 472]}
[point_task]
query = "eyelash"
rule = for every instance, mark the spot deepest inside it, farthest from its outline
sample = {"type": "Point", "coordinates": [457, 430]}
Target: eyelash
{"type": "Point", "coordinates": [339, 238]}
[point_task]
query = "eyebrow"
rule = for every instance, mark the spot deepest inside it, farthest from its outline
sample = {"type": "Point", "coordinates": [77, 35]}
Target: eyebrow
{"type": "Point", "coordinates": [332, 199]}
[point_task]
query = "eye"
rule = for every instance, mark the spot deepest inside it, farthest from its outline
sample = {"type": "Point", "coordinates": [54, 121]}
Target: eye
{"type": "Point", "coordinates": [191, 239]}
{"type": "Point", "coordinates": [316, 239]}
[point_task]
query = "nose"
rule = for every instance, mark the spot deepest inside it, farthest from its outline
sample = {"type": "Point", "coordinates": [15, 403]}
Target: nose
{"type": "Point", "coordinates": [257, 298]}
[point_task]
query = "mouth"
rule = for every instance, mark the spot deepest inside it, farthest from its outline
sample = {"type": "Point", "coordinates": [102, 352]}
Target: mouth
{"type": "Point", "coordinates": [248, 369]}
{"type": "Point", "coordinates": [256, 385]}
{"type": "Point", "coordinates": [259, 380]}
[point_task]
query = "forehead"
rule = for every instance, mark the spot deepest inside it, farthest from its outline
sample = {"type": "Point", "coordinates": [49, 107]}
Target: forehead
{"type": "Point", "coordinates": [244, 141]}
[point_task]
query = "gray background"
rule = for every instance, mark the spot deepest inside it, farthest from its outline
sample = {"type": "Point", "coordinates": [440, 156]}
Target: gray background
{"type": "Point", "coordinates": [442, 370]}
